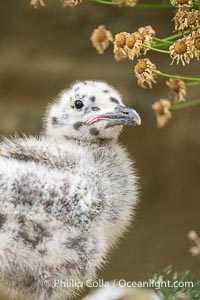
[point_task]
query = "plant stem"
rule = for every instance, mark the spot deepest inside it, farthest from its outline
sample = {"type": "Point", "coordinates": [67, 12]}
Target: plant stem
{"type": "Point", "coordinates": [165, 45]}
{"type": "Point", "coordinates": [192, 83]}
{"type": "Point", "coordinates": [139, 5]}
{"type": "Point", "coordinates": [177, 76]}
{"type": "Point", "coordinates": [155, 49]}
{"type": "Point", "coordinates": [170, 39]}
{"type": "Point", "coordinates": [185, 104]}
{"type": "Point", "coordinates": [106, 2]}
{"type": "Point", "coordinates": [175, 36]}
{"type": "Point", "coordinates": [162, 41]}
{"type": "Point", "coordinates": [151, 5]}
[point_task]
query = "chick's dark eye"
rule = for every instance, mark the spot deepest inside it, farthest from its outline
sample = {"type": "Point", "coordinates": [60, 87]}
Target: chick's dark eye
{"type": "Point", "coordinates": [78, 104]}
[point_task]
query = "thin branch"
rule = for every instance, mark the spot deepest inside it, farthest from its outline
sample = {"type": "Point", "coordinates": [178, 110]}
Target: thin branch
{"type": "Point", "coordinates": [177, 76]}
{"type": "Point", "coordinates": [185, 104]}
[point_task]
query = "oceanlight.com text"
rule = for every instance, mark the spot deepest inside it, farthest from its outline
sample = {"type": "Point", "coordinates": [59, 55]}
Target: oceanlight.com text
{"type": "Point", "coordinates": [119, 283]}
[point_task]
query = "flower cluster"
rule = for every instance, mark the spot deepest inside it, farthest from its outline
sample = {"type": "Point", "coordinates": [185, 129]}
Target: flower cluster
{"type": "Point", "coordinates": [188, 47]}
{"type": "Point", "coordinates": [195, 239]}
{"type": "Point", "coordinates": [125, 44]}
{"type": "Point", "coordinates": [133, 44]}
{"type": "Point", "coordinates": [129, 45]}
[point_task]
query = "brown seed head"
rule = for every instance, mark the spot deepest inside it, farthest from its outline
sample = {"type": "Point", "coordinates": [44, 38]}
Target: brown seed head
{"type": "Point", "coordinates": [141, 66]}
{"type": "Point", "coordinates": [182, 50]}
{"type": "Point", "coordinates": [197, 42]}
{"type": "Point", "coordinates": [144, 71]}
{"type": "Point", "coordinates": [133, 45]}
{"type": "Point", "coordinates": [100, 35]}
{"type": "Point", "coordinates": [119, 46]}
{"type": "Point", "coordinates": [180, 47]}
{"type": "Point", "coordinates": [130, 41]}
{"type": "Point", "coordinates": [120, 40]}
{"type": "Point", "coordinates": [101, 38]}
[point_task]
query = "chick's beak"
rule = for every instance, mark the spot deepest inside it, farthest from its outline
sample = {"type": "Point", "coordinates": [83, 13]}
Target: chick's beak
{"type": "Point", "coordinates": [122, 116]}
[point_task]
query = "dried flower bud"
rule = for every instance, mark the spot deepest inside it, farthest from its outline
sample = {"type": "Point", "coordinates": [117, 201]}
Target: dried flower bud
{"type": "Point", "coordinates": [195, 239]}
{"type": "Point", "coordinates": [195, 36]}
{"type": "Point", "coordinates": [162, 111]}
{"type": "Point", "coordinates": [144, 72]}
{"type": "Point", "coordinates": [193, 18]}
{"type": "Point", "coordinates": [101, 38]}
{"type": "Point", "coordinates": [147, 33]}
{"type": "Point", "coordinates": [120, 39]}
{"type": "Point", "coordinates": [181, 20]}
{"type": "Point", "coordinates": [133, 45]}
{"type": "Point", "coordinates": [182, 51]}
{"type": "Point", "coordinates": [192, 235]}
{"type": "Point", "coordinates": [178, 89]}
{"type": "Point", "coordinates": [195, 251]}
{"type": "Point", "coordinates": [179, 3]}
{"type": "Point", "coordinates": [35, 3]}
{"type": "Point", "coordinates": [71, 3]}
{"type": "Point", "coordinates": [119, 46]}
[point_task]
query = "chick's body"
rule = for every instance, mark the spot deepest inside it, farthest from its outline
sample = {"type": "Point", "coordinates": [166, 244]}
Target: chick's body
{"type": "Point", "coordinates": [64, 202]}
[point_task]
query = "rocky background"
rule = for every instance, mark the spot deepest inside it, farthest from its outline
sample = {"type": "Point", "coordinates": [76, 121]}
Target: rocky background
{"type": "Point", "coordinates": [42, 51]}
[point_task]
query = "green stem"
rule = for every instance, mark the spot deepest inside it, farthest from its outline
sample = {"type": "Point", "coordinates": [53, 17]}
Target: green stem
{"type": "Point", "coordinates": [185, 104]}
{"type": "Point", "coordinates": [162, 41]}
{"type": "Point", "coordinates": [106, 2]}
{"type": "Point", "coordinates": [162, 45]}
{"type": "Point", "coordinates": [175, 36]}
{"type": "Point", "coordinates": [139, 5]}
{"type": "Point", "coordinates": [177, 76]}
{"type": "Point", "coordinates": [192, 83]}
{"type": "Point", "coordinates": [155, 49]}
{"type": "Point", "coordinates": [164, 5]}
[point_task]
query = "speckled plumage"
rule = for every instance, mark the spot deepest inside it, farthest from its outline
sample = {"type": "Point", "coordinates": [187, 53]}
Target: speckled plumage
{"type": "Point", "coordinates": [66, 197]}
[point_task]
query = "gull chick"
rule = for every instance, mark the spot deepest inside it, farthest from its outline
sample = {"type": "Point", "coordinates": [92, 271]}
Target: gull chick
{"type": "Point", "coordinates": [67, 196]}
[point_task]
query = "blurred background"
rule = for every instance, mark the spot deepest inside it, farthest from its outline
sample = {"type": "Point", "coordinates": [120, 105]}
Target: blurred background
{"type": "Point", "coordinates": [42, 51]}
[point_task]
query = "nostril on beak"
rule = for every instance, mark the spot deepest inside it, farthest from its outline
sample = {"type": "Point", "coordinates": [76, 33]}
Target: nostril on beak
{"type": "Point", "coordinates": [124, 110]}
{"type": "Point", "coordinates": [130, 113]}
